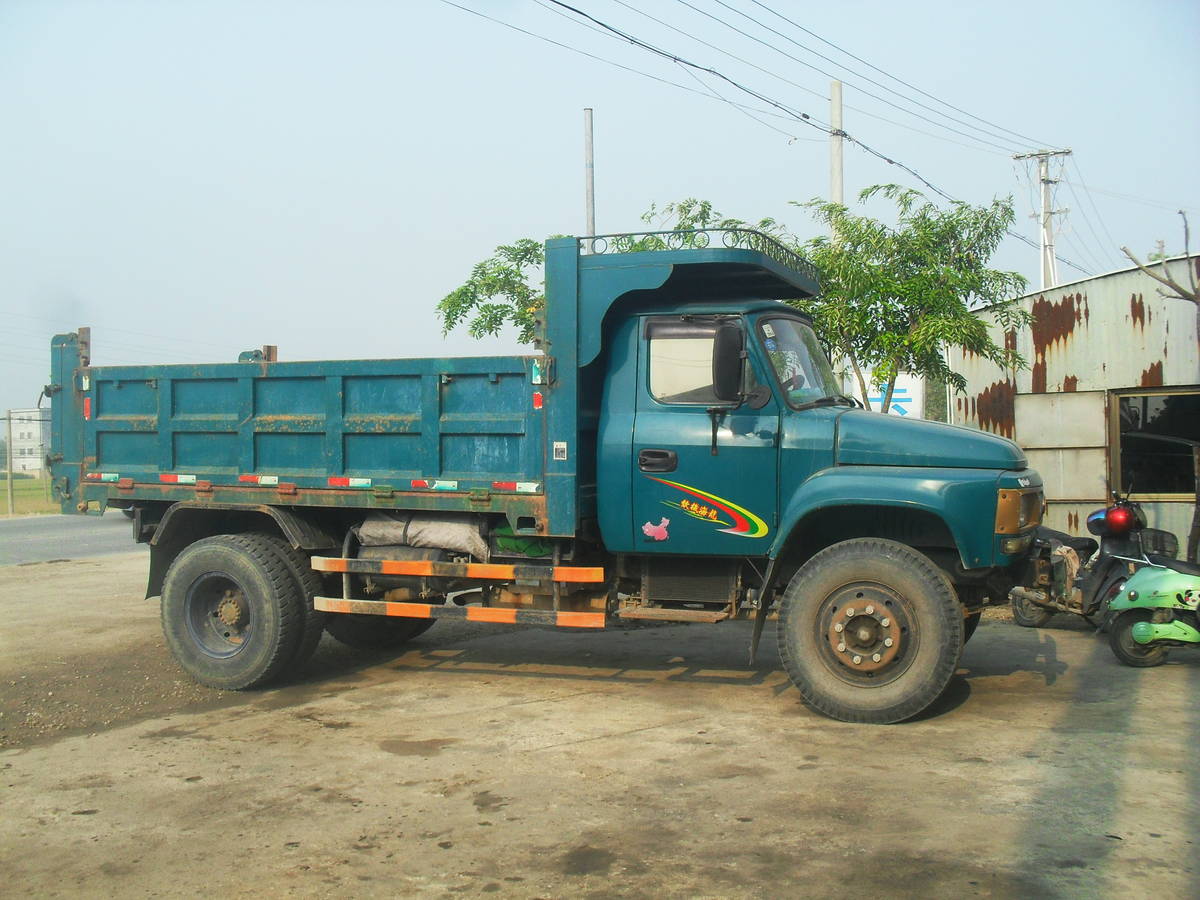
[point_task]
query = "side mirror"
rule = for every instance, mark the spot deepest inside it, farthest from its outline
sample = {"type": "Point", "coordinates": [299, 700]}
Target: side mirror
{"type": "Point", "coordinates": [728, 354]}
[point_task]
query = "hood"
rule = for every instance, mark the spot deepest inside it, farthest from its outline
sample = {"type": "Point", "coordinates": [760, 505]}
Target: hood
{"type": "Point", "coordinates": [873, 439]}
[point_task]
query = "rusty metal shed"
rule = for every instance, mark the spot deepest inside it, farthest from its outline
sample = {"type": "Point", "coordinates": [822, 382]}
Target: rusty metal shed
{"type": "Point", "coordinates": [1110, 360]}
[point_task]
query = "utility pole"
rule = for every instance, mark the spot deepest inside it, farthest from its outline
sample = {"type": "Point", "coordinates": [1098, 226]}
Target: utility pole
{"type": "Point", "coordinates": [835, 142]}
{"type": "Point", "coordinates": [1046, 217]}
{"type": "Point", "coordinates": [9, 462]}
{"type": "Point", "coordinates": [589, 174]}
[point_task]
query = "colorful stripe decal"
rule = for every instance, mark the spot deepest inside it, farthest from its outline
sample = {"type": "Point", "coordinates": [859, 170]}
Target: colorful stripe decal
{"type": "Point", "coordinates": [170, 478]}
{"type": "Point", "coordinates": [343, 481]}
{"type": "Point", "coordinates": [486, 571]}
{"type": "Point", "coordinates": [501, 615]}
{"type": "Point", "coordinates": [745, 523]}
{"type": "Point", "coordinates": [102, 476]}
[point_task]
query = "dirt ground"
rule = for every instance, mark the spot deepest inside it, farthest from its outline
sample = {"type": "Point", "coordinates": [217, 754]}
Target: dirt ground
{"type": "Point", "coordinates": [539, 763]}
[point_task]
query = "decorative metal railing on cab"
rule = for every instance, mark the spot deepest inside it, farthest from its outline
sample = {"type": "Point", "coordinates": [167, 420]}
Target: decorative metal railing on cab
{"type": "Point", "coordinates": [698, 239]}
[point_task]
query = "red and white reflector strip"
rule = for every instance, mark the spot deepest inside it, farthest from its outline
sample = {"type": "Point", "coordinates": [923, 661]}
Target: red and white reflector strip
{"type": "Point", "coordinates": [538, 400]}
{"type": "Point", "coordinates": [259, 479]}
{"type": "Point", "coordinates": [171, 478]}
{"type": "Point", "coordinates": [102, 476]}
{"type": "Point", "coordinates": [87, 408]}
{"type": "Point", "coordinates": [432, 484]}
{"type": "Point", "coordinates": [520, 487]}
{"type": "Point", "coordinates": [342, 481]}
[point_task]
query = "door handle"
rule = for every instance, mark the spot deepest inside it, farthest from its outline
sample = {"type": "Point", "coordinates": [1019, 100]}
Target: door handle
{"type": "Point", "coordinates": [657, 460]}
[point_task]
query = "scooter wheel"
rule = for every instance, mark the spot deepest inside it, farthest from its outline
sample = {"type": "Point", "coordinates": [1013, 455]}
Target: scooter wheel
{"type": "Point", "coordinates": [1129, 651]}
{"type": "Point", "coordinates": [1029, 615]}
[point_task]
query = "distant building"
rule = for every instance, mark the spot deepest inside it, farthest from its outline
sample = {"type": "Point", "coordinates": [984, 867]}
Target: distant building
{"type": "Point", "coordinates": [30, 430]}
{"type": "Point", "coordinates": [1111, 398]}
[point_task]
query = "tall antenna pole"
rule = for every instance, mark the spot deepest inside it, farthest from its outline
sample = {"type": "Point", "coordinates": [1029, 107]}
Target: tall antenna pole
{"type": "Point", "coordinates": [1046, 217]}
{"type": "Point", "coordinates": [835, 142]}
{"type": "Point", "coordinates": [589, 172]}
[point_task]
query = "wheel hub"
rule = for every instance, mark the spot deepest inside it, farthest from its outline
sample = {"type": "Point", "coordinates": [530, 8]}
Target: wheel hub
{"type": "Point", "coordinates": [231, 609]}
{"type": "Point", "coordinates": [864, 635]}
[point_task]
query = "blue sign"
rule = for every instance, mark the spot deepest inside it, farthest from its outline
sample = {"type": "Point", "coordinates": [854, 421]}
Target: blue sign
{"type": "Point", "coordinates": [900, 400]}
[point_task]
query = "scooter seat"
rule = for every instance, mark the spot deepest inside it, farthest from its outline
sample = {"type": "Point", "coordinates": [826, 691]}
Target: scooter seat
{"type": "Point", "coordinates": [1179, 565]}
{"type": "Point", "coordinates": [1084, 547]}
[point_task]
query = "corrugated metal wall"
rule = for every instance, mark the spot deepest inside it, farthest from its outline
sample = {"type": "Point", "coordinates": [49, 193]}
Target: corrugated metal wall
{"type": "Point", "coordinates": [1089, 340]}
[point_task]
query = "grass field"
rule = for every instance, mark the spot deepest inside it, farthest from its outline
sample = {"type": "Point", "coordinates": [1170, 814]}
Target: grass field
{"type": "Point", "coordinates": [30, 495]}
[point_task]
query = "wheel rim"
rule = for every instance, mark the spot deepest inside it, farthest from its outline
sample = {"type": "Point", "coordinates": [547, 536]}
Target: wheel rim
{"type": "Point", "coordinates": [218, 615]}
{"type": "Point", "coordinates": [1125, 636]}
{"type": "Point", "coordinates": [866, 633]}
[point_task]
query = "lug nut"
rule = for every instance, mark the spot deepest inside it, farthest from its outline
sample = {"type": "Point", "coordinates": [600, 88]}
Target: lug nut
{"type": "Point", "coordinates": [885, 622]}
{"type": "Point", "coordinates": [876, 657]}
{"type": "Point", "coordinates": [870, 610]}
{"type": "Point", "coordinates": [839, 627]}
{"type": "Point", "coordinates": [857, 659]}
{"type": "Point", "coordinates": [887, 642]}
{"type": "Point", "coordinates": [841, 648]}
{"type": "Point", "coordinates": [849, 612]}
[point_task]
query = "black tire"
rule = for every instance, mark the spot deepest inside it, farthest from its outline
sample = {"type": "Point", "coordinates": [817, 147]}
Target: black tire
{"type": "Point", "coordinates": [308, 583]}
{"type": "Point", "coordinates": [910, 603]}
{"type": "Point", "coordinates": [970, 623]}
{"type": "Point", "coordinates": [1129, 651]}
{"type": "Point", "coordinates": [1029, 615]}
{"type": "Point", "coordinates": [1109, 591]}
{"type": "Point", "coordinates": [231, 612]}
{"type": "Point", "coordinates": [374, 632]}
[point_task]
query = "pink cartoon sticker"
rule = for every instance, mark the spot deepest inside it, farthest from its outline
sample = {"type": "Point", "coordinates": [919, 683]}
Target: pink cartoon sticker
{"type": "Point", "coordinates": [657, 532]}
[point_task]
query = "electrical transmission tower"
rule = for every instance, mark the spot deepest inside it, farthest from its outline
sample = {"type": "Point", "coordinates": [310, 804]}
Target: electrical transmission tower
{"type": "Point", "coordinates": [1046, 217]}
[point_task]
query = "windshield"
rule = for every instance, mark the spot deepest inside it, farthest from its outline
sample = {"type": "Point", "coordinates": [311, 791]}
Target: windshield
{"type": "Point", "coordinates": [798, 360]}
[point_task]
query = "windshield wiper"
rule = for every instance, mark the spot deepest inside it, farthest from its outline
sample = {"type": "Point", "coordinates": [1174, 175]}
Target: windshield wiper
{"type": "Point", "coordinates": [832, 400]}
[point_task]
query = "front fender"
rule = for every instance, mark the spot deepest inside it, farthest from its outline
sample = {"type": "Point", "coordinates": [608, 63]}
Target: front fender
{"type": "Point", "coordinates": [963, 499]}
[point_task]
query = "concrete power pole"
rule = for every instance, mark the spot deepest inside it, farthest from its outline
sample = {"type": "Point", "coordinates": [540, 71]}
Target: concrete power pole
{"type": "Point", "coordinates": [1046, 216]}
{"type": "Point", "coordinates": [835, 142]}
{"type": "Point", "coordinates": [589, 173]}
{"type": "Point", "coordinates": [8, 460]}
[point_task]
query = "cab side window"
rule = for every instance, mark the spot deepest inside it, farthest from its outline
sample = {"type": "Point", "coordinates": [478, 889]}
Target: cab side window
{"type": "Point", "coordinates": [681, 367]}
{"type": "Point", "coordinates": [681, 358]}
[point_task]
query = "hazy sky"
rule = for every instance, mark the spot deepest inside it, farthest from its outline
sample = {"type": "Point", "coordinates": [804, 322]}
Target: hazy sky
{"type": "Point", "coordinates": [196, 178]}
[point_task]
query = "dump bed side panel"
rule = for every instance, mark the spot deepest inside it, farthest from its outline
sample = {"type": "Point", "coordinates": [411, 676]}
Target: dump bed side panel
{"type": "Point", "coordinates": [414, 433]}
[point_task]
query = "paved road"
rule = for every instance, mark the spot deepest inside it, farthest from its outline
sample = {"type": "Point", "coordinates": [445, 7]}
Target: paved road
{"type": "Point", "coordinates": [28, 539]}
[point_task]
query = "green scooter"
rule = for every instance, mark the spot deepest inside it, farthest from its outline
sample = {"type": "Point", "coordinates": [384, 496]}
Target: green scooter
{"type": "Point", "coordinates": [1156, 609]}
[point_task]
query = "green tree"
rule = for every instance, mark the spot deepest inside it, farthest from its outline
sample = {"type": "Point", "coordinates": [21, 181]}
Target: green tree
{"type": "Point", "coordinates": [894, 296]}
{"type": "Point", "coordinates": [499, 292]}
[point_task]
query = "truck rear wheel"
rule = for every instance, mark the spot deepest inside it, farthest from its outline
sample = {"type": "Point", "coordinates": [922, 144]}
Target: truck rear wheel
{"type": "Point", "coordinates": [231, 612]}
{"type": "Point", "coordinates": [308, 583]}
{"type": "Point", "coordinates": [870, 631]}
{"type": "Point", "coordinates": [374, 632]}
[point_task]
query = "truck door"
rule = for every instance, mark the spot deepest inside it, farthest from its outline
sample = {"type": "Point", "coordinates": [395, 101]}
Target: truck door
{"type": "Point", "coordinates": [686, 498]}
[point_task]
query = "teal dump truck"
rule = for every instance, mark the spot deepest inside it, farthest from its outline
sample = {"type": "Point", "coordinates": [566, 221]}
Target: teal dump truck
{"type": "Point", "coordinates": [679, 450]}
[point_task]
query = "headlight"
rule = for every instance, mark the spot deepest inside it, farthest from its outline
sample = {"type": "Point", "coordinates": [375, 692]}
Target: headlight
{"type": "Point", "coordinates": [1017, 510]}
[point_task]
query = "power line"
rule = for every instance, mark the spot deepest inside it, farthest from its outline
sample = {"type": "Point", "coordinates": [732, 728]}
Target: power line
{"type": "Point", "coordinates": [796, 114]}
{"type": "Point", "coordinates": [913, 87]}
{"type": "Point", "coordinates": [796, 84]}
{"type": "Point", "coordinates": [609, 62]}
{"type": "Point", "coordinates": [1112, 243]}
{"type": "Point", "coordinates": [1008, 148]}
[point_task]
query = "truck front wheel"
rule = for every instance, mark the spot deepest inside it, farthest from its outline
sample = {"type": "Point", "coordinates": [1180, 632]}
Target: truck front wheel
{"type": "Point", "coordinates": [231, 612]}
{"type": "Point", "coordinates": [870, 631]}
